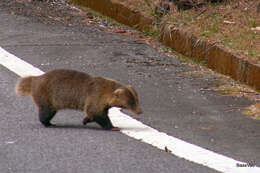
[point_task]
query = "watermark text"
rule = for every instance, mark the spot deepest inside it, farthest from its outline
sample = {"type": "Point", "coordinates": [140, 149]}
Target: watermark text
{"type": "Point", "coordinates": [242, 165]}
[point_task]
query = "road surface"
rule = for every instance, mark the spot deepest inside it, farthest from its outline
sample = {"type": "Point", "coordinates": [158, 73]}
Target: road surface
{"type": "Point", "coordinates": [172, 101]}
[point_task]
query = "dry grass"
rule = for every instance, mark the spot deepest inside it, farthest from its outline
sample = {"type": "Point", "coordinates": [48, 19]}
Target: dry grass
{"type": "Point", "coordinates": [253, 111]}
{"type": "Point", "coordinates": [230, 24]}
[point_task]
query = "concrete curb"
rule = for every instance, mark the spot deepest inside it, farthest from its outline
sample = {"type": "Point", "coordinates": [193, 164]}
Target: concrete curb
{"type": "Point", "coordinates": [117, 11]}
{"type": "Point", "coordinates": [215, 57]}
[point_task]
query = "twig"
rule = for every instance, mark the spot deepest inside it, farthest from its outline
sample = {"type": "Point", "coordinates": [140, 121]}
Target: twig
{"type": "Point", "coordinates": [203, 11]}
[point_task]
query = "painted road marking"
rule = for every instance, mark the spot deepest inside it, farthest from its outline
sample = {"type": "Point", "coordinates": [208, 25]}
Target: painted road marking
{"type": "Point", "coordinates": [144, 133]}
{"type": "Point", "coordinates": [17, 65]}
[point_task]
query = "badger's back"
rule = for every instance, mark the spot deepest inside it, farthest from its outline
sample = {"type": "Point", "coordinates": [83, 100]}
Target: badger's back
{"type": "Point", "coordinates": [63, 88]}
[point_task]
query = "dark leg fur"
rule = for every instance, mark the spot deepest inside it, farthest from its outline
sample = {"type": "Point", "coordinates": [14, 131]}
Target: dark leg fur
{"type": "Point", "coordinates": [104, 122]}
{"type": "Point", "coordinates": [99, 117]}
{"type": "Point", "coordinates": [45, 115]}
{"type": "Point", "coordinates": [86, 120]}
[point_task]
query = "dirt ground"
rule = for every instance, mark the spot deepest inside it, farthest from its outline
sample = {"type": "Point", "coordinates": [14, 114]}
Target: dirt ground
{"type": "Point", "coordinates": [233, 24]}
{"type": "Point", "coordinates": [46, 11]}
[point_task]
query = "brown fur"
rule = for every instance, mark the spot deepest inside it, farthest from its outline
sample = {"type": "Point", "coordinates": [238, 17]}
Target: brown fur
{"type": "Point", "coordinates": [69, 89]}
{"type": "Point", "coordinates": [23, 86]}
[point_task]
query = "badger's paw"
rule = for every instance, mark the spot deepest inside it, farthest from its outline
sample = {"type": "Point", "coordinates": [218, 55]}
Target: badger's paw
{"type": "Point", "coordinates": [115, 129]}
{"type": "Point", "coordinates": [86, 120]}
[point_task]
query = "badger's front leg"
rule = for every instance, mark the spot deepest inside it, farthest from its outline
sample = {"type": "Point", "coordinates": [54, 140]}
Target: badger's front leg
{"type": "Point", "coordinates": [103, 121]}
{"type": "Point", "coordinates": [100, 117]}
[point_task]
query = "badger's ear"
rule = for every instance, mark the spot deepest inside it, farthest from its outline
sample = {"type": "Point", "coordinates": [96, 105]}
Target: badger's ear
{"type": "Point", "coordinates": [118, 92]}
{"type": "Point", "coordinates": [131, 89]}
{"type": "Point", "coordinates": [129, 86]}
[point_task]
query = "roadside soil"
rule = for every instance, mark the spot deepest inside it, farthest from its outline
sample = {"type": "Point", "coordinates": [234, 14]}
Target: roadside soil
{"type": "Point", "coordinates": [232, 24]}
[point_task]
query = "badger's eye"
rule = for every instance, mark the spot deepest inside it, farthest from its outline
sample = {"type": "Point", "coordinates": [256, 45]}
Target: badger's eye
{"type": "Point", "coordinates": [131, 103]}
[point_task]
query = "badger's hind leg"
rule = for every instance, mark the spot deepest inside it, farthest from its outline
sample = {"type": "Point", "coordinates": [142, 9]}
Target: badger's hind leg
{"type": "Point", "coordinates": [87, 120]}
{"type": "Point", "coordinates": [45, 115]}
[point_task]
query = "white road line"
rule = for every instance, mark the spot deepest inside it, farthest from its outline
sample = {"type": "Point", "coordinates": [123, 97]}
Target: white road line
{"type": "Point", "coordinates": [144, 133]}
{"type": "Point", "coordinates": [17, 65]}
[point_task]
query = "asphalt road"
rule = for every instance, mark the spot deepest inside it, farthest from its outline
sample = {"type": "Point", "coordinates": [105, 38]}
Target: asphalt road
{"type": "Point", "coordinates": [172, 102]}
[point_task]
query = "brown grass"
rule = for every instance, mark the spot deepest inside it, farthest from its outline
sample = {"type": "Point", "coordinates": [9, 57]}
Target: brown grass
{"type": "Point", "coordinates": [230, 24]}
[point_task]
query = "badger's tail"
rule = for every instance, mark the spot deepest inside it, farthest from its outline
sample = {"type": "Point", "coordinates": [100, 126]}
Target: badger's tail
{"type": "Point", "coordinates": [24, 86]}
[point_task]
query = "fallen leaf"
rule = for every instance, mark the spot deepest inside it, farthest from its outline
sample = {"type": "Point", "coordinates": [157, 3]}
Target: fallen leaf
{"type": "Point", "coordinates": [58, 19]}
{"type": "Point", "coordinates": [120, 31]}
{"type": "Point", "coordinates": [208, 127]}
{"type": "Point", "coordinates": [228, 22]}
{"type": "Point", "coordinates": [68, 18]}
{"type": "Point", "coordinates": [146, 39]}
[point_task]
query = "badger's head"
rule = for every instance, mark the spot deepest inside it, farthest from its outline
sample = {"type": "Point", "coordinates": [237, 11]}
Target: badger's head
{"type": "Point", "coordinates": [126, 98]}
